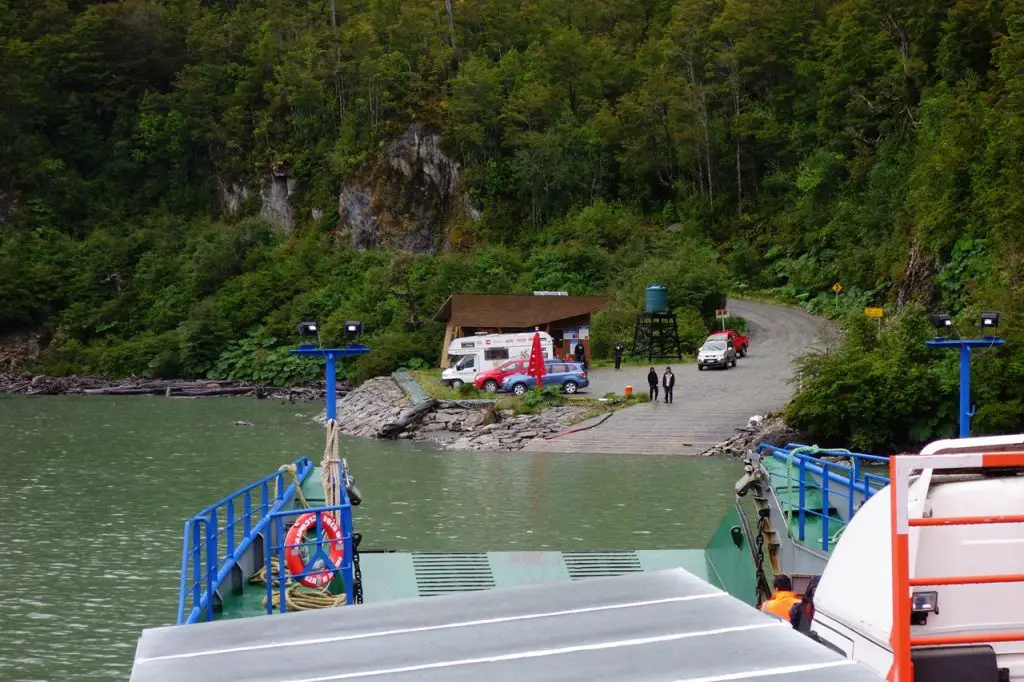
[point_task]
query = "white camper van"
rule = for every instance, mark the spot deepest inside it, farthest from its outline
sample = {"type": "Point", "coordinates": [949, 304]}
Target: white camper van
{"type": "Point", "coordinates": [471, 355]}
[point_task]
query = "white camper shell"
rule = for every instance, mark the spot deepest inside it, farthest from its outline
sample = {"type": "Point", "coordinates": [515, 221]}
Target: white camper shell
{"type": "Point", "coordinates": [471, 355]}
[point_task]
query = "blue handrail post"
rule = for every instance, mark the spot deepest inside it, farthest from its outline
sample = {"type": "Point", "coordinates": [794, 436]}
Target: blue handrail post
{"type": "Point", "coordinates": [348, 569]}
{"type": "Point", "coordinates": [965, 346]}
{"type": "Point", "coordinates": [801, 512]}
{"type": "Point", "coordinates": [211, 562]}
{"type": "Point", "coordinates": [197, 565]}
{"type": "Point", "coordinates": [229, 527]}
{"type": "Point", "coordinates": [825, 506]}
{"type": "Point", "coordinates": [247, 510]}
{"type": "Point", "coordinates": [855, 479]}
{"type": "Point", "coordinates": [279, 536]}
{"type": "Point", "coordinates": [268, 551]}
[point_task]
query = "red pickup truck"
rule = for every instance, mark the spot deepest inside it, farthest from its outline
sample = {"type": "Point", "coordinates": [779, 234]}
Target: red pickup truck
{"type": "Point", "coordinates": [739, 342]}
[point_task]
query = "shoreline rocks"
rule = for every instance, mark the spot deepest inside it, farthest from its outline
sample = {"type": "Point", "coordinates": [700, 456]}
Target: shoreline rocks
{"type": "Point", "coordinates": [379, 408]}
{"type": "Point", "coordinates": [770, 429]}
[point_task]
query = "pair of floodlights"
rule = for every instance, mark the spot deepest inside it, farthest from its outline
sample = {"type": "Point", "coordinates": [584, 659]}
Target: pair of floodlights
{"type": "Point", "coordinates": [989, 322]}
{"type": "Point", "coordinates": [352, 328]}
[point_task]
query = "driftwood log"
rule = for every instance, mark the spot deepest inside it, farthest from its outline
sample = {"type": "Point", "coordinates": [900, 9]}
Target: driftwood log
{"type": "Point", "coordinates": [176, 388]}
{"type": "Point", "coordinates": [408, 418]}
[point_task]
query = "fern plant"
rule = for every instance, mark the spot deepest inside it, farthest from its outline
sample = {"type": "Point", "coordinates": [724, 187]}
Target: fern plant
{"type": "Point", "coordinates": [259, 358]}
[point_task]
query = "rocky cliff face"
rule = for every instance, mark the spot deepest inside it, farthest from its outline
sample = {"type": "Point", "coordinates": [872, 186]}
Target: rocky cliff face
{"type": "Point", "coordinates": [277, 207]}
{"type": "Point", "coordinates": [411, 200]}
{"type": "Point", "coordinates": [9, 202]}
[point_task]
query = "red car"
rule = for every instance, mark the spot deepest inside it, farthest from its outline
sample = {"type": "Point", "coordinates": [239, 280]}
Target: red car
{"type": "Point", "coordinates": [740, 343]}
{"type": "Point", "coordinates": [491, 380]}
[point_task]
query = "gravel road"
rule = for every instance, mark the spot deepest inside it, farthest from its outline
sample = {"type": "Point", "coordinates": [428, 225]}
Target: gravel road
{"type": "Point", "coordinates": [708, 406]}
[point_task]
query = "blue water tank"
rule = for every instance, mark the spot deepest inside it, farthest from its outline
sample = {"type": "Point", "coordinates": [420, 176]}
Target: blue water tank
{"type": "Point", "coordinates": [656, 300]}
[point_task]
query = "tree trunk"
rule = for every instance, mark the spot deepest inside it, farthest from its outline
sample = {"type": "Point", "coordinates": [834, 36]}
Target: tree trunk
{"type": "Point", "coordinates": [451, 23]}
{"type": "Point", "coordinates": [408, 418]}
{"type": "Point", "coordinates": [334, 16]}
{"type": "Point", "coordinates": [707, 148]}
{"type": "Point", "coordinates": [702, 109]}
{"type": "Point", "coordinates": [739, 164]}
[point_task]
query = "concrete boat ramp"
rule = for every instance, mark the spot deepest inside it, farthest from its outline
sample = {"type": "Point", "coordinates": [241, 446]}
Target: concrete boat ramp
{"type": "Point", "coordinates": [660, 626]}
{"type": "Point", "coordinates": [708, 406]}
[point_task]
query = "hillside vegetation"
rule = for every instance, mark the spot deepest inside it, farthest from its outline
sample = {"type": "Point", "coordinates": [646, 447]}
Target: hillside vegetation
{"type": "Point", "coordinates": [182, 181]}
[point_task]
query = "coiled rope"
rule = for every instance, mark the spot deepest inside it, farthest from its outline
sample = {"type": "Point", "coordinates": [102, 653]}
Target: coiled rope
{"type": "Point", "coordinates": [298, 598]}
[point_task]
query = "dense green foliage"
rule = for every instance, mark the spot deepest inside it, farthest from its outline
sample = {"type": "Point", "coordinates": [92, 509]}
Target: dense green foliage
{"type": "Point", "coordinates": [789, 144]}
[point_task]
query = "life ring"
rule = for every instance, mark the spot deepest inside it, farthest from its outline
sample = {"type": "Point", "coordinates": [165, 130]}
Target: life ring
{"type": "Point", "coordinates": [331, 538]}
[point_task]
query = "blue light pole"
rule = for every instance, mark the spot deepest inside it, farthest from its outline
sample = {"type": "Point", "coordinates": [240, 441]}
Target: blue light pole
{"type": "Point", "coordinates": [330, 355]}
{"type": "Point", "coordinates": [990, 320]}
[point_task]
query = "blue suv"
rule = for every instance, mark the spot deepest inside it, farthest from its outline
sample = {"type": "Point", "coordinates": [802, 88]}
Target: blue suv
{"type": "Point", "coordinates": [569, 375]}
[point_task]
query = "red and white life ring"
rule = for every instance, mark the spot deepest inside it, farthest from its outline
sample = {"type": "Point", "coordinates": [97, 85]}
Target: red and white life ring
{"type": "Point", "coordinates": [332, 540]}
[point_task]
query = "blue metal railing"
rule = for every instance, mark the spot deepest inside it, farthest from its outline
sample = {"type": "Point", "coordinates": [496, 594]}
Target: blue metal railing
{"type": "Point", "coordinates": [320, 555]}
{"type": "Point", "coordinates": [811, 471]}
{"type": "Point", "coordinates": [217, 537]}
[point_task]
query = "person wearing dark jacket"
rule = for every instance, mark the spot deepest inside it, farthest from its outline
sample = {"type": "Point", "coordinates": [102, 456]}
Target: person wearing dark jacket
{"type": "Point", "coordinates": [801, 614]}
{"type": "Point", "coordinates": [668, 382]}
{"type": "Point", "coordinates": [580, 353]}
{"type": "Point", "coordinates": [652, 381]}
{"type": "Point", "coordinates": [618, 354]}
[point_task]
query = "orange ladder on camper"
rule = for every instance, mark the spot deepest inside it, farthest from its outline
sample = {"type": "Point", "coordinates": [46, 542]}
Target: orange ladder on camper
{"type": "Point", "coordinates": [902, 669]}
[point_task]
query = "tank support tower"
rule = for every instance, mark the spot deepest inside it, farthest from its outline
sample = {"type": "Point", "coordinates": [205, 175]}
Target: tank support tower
{"type": "Point", "coordinates": [657, 331]}
{"type": "Point", "coordinates": [656, 336]}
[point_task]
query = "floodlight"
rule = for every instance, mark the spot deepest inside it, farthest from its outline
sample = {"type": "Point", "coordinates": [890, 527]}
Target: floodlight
{"type": "Point", "coordinates": [353, 328]}
{"type": "Point", "coordinates": [921, 604]}
{"type": "Point", "coordinates": [989, 320]}
{"type": "Point", "coordinates": [309, 329]}
{"type": "Point", "coordinates": [941, 322]}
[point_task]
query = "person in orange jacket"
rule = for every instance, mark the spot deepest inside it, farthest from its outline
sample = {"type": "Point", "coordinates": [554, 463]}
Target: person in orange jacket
{"type": "Point", "coordinates": [783, 600]}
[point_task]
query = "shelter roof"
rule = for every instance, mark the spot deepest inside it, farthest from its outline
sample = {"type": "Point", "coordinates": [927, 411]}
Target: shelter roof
{"type": "Point", "coordinates": [485, 310]}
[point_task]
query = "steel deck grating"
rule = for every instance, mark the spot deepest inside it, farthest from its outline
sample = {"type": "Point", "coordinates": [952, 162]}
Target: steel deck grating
{"type": "Point", "coordinates": [663, 626]}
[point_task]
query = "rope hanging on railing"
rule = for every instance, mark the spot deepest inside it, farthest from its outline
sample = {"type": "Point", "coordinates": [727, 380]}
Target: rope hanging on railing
{"type": "Point", "coordinates": [329, 466]}
{"type": "Point", "coordinates": [294, 471]}
{"type": "Point", "coordinates": [811, 450]}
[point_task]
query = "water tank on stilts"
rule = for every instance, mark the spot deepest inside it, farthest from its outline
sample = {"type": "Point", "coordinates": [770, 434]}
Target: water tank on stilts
{"type": "Point", "coordinates": [657, 328]}
{"type": "Point", "coordinates": [656, 300]}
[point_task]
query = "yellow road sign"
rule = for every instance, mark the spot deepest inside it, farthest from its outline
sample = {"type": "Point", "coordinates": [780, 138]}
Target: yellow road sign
{"type": "Point", "coordinates": [837, 287]}
{"type": "Point", "coordinates": [874, 312]}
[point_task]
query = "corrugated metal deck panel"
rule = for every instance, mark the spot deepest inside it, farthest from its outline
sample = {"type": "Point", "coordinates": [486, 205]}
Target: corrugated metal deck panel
{"type": "Point", "coordinates": [399, 575]}
{"type": "Point", "coordinates": [645, 627]}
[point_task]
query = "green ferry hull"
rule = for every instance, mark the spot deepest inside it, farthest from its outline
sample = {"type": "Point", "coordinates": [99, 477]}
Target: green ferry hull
{"type": "Point", "coordinates": [726, 562]}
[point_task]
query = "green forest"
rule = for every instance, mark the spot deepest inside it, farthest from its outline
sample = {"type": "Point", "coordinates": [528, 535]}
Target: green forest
{"type": "Point", "coordinates": [183, 181]}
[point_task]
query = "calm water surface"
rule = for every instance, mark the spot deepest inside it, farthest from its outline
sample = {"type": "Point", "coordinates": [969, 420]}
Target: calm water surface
{"type": "Point", "coordinates": [94, 492]}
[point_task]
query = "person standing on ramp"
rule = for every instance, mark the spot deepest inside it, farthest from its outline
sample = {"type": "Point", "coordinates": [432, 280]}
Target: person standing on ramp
{"type": "Point", "coordinates": [668, 382]}
{"type": "Point", "coordinates": [652, 381]}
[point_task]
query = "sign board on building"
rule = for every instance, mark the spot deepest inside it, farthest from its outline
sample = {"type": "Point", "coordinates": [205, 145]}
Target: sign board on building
{"type": "Point", "coordinates": [874, 312]}
{"type": "Point", "coordinates": [584, 333]}
{"type": "Point", "coordinates": [721, 313]}
{"type": "Point", "coordinates": [551, 293]}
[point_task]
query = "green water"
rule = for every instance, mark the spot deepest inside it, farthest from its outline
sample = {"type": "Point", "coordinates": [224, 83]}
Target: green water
{"type": "Point", "coordinates": [94, 492]}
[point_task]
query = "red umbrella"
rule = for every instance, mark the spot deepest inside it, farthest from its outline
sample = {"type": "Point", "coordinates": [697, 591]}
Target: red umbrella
{"type": "Point", "coordinates": [536, 367]}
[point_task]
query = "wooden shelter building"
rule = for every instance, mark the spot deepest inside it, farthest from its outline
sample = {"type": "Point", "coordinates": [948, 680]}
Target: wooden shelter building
{"type": "Point", "coordinates": [566, 318]}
